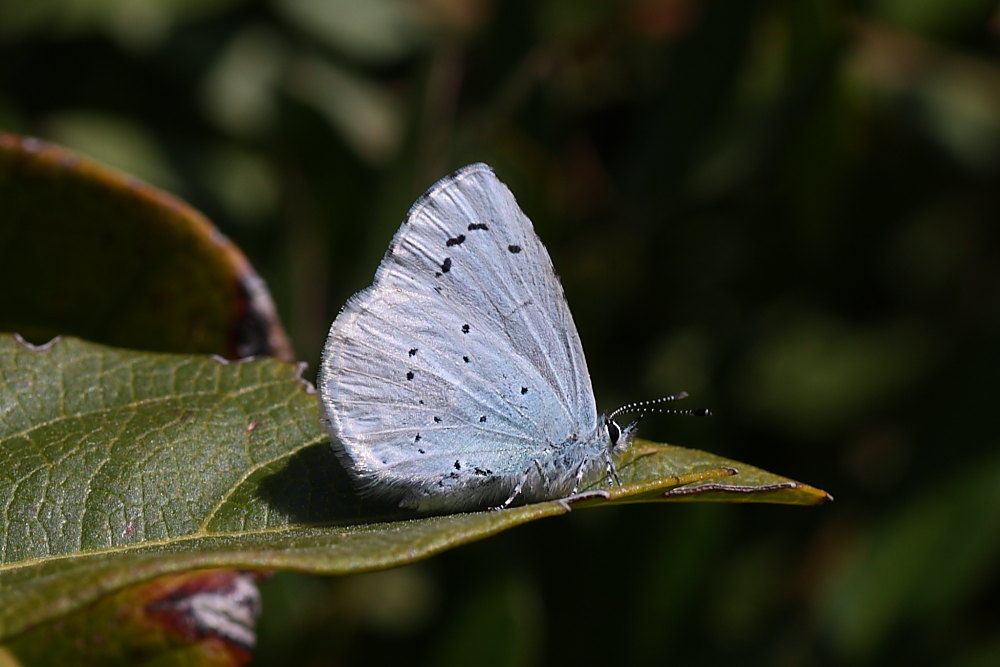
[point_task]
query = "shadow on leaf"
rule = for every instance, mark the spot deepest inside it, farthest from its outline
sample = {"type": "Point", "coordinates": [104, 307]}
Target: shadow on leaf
{"type": "Point", "coordinates": [313, 488]}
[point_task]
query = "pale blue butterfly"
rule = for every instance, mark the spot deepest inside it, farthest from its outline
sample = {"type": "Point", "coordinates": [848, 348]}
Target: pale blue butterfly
{"type": "Point", "coordinates": [457, 381]}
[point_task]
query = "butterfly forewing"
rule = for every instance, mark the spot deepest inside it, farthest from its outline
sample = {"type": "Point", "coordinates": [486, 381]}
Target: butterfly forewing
{"type": "Point", "coordinates": [461, 363]}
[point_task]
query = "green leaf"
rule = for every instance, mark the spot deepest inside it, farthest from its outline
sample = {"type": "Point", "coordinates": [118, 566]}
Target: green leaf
{"type": "Point", "coordinates": [118, 466]}
{"type": "Point", "coordinates": [98, 254]}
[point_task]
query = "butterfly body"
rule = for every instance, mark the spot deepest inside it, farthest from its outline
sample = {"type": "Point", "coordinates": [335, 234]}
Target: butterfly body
{"type": "Point", "coordinates": [457, 380]}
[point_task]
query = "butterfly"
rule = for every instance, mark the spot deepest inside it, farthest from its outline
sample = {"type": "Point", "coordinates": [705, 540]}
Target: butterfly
{"type": "Point", "coordinates": [457, 380]}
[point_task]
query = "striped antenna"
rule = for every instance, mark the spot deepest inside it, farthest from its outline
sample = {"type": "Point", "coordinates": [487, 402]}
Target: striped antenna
{"type": "Point", "coordinates": [643, 407]}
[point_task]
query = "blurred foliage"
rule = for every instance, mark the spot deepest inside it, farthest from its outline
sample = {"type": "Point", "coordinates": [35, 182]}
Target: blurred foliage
{"type": "Point", "coordinates": [787, 208]}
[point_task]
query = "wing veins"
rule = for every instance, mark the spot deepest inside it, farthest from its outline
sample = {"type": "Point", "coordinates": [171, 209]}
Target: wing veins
{"type": "Point", "coordinates": [491, 405]}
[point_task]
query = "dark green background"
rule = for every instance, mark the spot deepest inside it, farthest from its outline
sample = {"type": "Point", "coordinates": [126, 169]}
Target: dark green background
{"type": "Point", "coordinates": [788, 209]}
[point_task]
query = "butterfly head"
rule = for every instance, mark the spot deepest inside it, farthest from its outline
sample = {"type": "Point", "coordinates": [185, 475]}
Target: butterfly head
{"type": "Point", "coordinates": [621, 436]}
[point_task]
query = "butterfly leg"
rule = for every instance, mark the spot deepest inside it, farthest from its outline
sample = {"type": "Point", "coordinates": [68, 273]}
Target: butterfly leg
{"type": "Point", "coordinates": [541, 473]}
{"type": "Point", "coordinates": [613, 477]}
{"type": "Point", "coordinates": [574, 495]}
{"type": "Point", "coordinates": [580, 471]}
{"type": "Point", "coordinates": [517, 490]}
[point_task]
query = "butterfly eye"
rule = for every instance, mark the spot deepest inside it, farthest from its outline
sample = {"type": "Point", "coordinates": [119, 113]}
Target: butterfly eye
{"type": "Point", "coordinates": [614, 431]}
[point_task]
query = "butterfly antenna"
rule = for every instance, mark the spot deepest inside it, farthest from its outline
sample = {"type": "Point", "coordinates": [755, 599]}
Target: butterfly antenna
{"type": "Point", "coordinates": [644, 407]}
